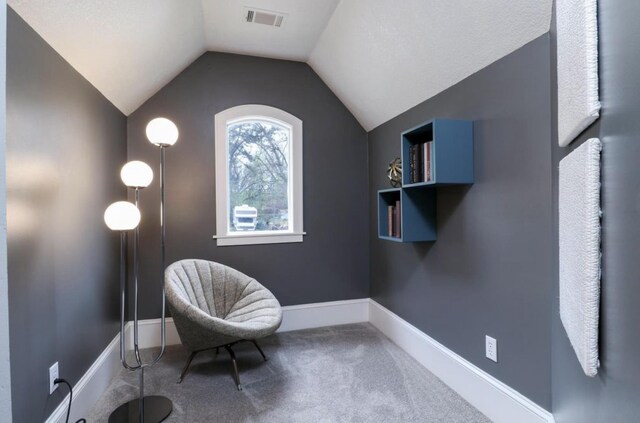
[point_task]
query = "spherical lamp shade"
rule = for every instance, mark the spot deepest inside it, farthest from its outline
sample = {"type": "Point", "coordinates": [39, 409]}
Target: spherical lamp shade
{"type": "Point", "coordinates": [122, 216]}
{"type": "Point", "coordinates": [162, 132]}
{"type": "Point", "coordinates": [136, 174]}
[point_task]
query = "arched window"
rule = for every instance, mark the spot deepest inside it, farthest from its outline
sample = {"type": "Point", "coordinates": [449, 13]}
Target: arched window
{"type": "Point", "coordinates": [258, 176]}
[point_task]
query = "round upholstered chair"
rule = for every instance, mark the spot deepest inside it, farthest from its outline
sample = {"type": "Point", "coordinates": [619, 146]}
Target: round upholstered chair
{"type": "Point", "coordinates": [215, 306]}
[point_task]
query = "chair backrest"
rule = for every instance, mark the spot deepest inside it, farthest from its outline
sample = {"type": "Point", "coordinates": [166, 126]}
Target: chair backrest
{"type": "Point", "coordinates": [212, 287]}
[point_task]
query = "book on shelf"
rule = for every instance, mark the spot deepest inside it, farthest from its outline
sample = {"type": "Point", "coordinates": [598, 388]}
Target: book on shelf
{"type": "Point", "coordinates": [428, 161]}
{"type": "Point", "coordinates": [425, 162]}
{"type": "Point", "coordinates": [412, 163]}
{"type": "Point", "coordinates": [415, 154]}
{"type": "Point", "coordinates": [394, 219]}
{"type": "Point", "coordinates": [421, 162]}
{"type": "Point", "coordinates": [397, 226]}
{"type": "Point", "coordinates": [420, 152]}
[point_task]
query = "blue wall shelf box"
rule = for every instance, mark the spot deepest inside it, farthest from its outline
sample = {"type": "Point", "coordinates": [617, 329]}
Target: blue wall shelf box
{"type": "Point", "coordinates": [438, 153]}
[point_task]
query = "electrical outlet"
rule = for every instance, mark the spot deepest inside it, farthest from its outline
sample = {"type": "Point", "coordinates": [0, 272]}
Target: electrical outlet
{"type": "Point", "coordinates": [491, 348]}
{"type": "Point", "coordinates": [53, 375]}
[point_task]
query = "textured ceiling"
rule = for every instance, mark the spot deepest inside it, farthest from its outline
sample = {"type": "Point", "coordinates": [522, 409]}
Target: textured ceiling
{"type": "Point", "coordinates": [128, 49]}
{"type": "Point", "coordinates": [380, 57]}
{"type": "Point", "coordinates": [226, 31]}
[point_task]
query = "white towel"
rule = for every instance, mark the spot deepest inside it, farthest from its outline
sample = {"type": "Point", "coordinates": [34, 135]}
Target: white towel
{"type": "Point", "coordinates": [577, 36]}
{"type": "Point", "coordinates": [579, 224]}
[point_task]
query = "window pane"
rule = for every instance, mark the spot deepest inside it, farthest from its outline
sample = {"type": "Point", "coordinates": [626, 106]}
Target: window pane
{"type": "Point", "coordinates": [258, 176]}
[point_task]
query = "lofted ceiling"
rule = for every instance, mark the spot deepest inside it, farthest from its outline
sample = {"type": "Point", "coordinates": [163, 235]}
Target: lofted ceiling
{"type": "Point", "coordinates": [226, 29]}
{"type": "Point", "coordinates": [380, 57]}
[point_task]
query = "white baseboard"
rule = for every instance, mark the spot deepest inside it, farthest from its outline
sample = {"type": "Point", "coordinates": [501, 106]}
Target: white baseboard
{"type": "Point", "coordinates": [493, 398]}
{"type": "Point", "coordinates": [149, 333]}
{"type": "Point", "coordinates": [317, 315]}
{"type": "Point", "coordinates": [296, 317]}
{"type": "Point", "coordinates": [91, 385]}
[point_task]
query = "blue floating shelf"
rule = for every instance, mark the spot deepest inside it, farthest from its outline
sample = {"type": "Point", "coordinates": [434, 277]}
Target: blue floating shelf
{"type": "Point", "coordinates": [452, 164]}
{"type": "Point", "coordinates": [452, 159]}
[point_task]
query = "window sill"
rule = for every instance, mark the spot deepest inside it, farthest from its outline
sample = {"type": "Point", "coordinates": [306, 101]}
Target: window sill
{"type": "Point", "coordinates": [257, 239]}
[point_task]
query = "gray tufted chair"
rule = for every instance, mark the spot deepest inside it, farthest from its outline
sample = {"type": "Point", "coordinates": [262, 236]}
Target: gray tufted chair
{"type": "Point", "coordinates": [215, 306]}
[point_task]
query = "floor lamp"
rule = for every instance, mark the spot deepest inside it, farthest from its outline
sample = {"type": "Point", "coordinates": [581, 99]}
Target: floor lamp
{"type": "Point", "coordinates": [137, 175]}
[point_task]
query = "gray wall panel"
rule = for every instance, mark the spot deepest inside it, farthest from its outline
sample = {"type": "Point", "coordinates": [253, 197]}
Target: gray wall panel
{"type": "Point", "coordinates": [332, 262]}
{"type": "Point", "coordinates": [5, 365]}
{"type": "Point", "coordinates": [612, 396]}
{"type": "Point", "coordinates": [490, 270]}
{"type": "Point", "coordinates": [65, 145]}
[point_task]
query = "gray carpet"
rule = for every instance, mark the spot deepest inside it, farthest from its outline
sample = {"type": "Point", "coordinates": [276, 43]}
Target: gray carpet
{"type": "Point", "coordinates": [349, 373]}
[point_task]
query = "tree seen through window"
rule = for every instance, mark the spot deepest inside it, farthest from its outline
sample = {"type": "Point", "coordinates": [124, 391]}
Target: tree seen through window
{"type": "Point", "coordinates": [258, 176]}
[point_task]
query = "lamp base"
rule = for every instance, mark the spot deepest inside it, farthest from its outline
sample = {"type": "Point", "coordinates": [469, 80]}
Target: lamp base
{"type": "Point", "coordinates": [156, 409]}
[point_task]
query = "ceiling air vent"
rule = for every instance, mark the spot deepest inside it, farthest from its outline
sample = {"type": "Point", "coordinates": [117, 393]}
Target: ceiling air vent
{"type": "Point", "coordinates": [264, 17]}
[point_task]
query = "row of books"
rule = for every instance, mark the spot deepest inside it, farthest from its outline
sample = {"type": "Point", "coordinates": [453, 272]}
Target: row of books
{"type": "Point", "coordinates": [393, 219]}
{"type": "Point", "coordinates": [420, 162]}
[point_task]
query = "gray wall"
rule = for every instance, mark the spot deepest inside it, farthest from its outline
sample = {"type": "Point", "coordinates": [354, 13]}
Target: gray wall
{"type": "Point", "coordinates": [612, 396]}
{"type": "Point", "coordinates": [490, 270]}
{"type": "Point", "coordinates": [5, 365]}
{"type": "Point", "coordinates": [65, 145]}
{"type": "Point", "coordinates": [332, 262]}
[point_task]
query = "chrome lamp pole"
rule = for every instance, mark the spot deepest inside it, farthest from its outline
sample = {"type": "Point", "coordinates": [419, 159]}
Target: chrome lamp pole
{"type": "Point", "coordinates": [124, 216]}
{"type": "Point", "coordinates": [144, 409]}
{"type": "Point", "coordinates": [137, 175]}
{"type": "Point", "coordinates": [162, 133]}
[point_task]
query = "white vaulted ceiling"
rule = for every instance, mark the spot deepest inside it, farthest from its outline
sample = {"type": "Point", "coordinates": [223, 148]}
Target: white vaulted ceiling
{"type": "Point", "coordinates": [128, 49]}
{"type": "Point", "coordinates": [226, 29]}
{"type": "Point", "coordinates": [380, 57]}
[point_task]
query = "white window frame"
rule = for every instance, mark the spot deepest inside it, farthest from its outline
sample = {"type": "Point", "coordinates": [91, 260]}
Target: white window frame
{"type": "Point", "coordinates": [295, 232]}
